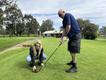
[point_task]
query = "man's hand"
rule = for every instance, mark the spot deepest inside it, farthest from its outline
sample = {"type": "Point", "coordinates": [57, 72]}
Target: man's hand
{"type": "Point", "coordinates": [63, 39]}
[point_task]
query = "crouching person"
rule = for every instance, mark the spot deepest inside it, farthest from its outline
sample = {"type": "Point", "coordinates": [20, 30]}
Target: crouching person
{"type": "Point", "coordinates": [36, 52]}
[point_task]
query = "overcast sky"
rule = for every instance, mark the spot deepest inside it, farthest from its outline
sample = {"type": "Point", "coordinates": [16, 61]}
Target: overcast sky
{"type": "Point", "coordinates": [94, 10]}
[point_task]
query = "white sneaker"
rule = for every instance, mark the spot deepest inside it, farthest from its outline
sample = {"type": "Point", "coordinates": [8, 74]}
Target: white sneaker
{"type": "Point", "coordinates": [34, 68]}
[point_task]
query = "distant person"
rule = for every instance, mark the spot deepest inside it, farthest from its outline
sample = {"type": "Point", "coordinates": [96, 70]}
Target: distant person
{"type": "Point", "coordinates": [71, 29]}
{"type": "Point", "coordinates": [36, 52]}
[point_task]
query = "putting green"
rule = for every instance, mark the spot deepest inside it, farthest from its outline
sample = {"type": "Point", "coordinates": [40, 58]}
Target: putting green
{"type": "Point", "coordinates": [91, 62]}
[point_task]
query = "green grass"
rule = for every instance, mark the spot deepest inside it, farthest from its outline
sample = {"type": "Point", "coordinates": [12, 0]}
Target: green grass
{"type": "Point", "coordinates": [91, 62]}
{"type": "Point", "coordinates": [11, 41]}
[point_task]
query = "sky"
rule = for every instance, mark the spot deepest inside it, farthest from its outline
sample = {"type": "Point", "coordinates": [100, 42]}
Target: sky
{"type": "Point", "coordinates": [94, 10]}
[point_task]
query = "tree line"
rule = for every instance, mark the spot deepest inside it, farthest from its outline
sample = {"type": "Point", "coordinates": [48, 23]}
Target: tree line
{"type": "Point", "coordinates": [13, 22]}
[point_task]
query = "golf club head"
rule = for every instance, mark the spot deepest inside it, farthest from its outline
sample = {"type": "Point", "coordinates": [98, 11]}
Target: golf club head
{"type": "Point", "coordinates": [38, 69]}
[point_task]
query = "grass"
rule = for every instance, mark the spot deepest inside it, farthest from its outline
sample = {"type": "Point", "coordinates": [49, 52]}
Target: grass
{"type": "Point", "coordinates": [11, 41]}
{"type": "Point", "coordinates": [91, 62]}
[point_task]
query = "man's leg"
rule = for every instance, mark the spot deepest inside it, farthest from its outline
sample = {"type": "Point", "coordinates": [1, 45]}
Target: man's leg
{"type": "Point", "coordinates": [73, 57]}
{"type": "Point", "coordinates": [74, 48]}
{"type": "Point", "coordinates": [74, 60]}
{"type": "Point", "coordinates": [73, 68]}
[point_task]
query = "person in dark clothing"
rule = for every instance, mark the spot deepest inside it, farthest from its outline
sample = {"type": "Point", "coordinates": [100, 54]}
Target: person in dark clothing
{"type": "Point", "coordinates": [36, 52]}
{"type": "Point", "coordinates": [71, 29]}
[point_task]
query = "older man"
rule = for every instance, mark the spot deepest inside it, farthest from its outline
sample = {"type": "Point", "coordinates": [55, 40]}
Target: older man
{"type": "Point", "coordinates": [71, 29]}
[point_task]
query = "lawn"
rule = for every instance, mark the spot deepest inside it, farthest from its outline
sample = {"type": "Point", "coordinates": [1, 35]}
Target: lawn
{"type": "Point", "coordinates": [91, 62]}
{"type": "Point", "coordinates": [11, 41]}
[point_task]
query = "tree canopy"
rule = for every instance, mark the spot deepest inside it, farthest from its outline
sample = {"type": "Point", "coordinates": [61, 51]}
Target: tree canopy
{"type": "Point", "coordinates": [46, 25]}
{"type": "Point", "coordinates": [88, 29]}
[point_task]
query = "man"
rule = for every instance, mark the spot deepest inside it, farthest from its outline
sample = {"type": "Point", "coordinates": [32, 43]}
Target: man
{"type": "Point", "coordinates": [71, 29]}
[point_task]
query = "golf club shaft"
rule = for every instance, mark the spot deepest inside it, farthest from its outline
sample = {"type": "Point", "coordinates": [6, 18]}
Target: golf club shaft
{"type": "Point", "coordinates": [53, 52]}
{"type": "Point", "coordinates": [51, 56]}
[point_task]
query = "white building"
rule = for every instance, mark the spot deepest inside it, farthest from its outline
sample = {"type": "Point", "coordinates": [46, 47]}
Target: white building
{"type": "Point", "coordinates": [53, 33]}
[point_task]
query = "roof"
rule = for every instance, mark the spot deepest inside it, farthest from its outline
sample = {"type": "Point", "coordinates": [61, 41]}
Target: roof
{"type": "Point", "coordinates": [52, 32]}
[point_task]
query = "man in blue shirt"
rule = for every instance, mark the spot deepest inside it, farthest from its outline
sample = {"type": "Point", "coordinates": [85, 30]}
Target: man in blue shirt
{"type": "Point", "coordinates": [71, 29]}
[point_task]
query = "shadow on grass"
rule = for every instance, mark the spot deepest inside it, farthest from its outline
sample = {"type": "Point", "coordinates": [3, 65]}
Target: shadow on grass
{"type": "Point", "coordinates": [24, 65]}
{"type": "Point", "coordinates": [57, 67]}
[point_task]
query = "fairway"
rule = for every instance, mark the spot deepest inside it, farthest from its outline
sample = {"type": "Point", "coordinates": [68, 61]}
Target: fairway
{"type": "Point", "coordinates": [11, 41]}
{"type": "Point", "coordinates": [91, 62]}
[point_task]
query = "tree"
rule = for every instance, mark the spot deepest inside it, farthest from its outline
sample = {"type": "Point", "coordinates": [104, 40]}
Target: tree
{"type": "Point", "coordinates": [16, 23]}
{"type": "Point", "coordinates": [83, 24]}
{"type": "Point", "coordinates": [46, 25]}
{"type": "Point", "coordinates": [88, 29]}
{"type": "Point", "coordinates": [2, 30]}
{"type": "Point", "coordinates": [31, 25]}
{"type": "Point", "coordinates": [1, 18]}
{"type": "Point", "coordinates": [13, 17]}
{"type": "Point", "coordinates": [104, 30]}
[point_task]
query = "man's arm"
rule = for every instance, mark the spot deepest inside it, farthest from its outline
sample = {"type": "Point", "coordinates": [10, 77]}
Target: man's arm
{"type": "Point", "coordinates": [68, 27]}
{"type": "Point", "coordinates": [65, 32]}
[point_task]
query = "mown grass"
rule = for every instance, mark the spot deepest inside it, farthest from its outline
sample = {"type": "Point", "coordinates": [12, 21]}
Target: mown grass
{"type": "Point", "coordinates": [11, 41]}
{"type": "Point", "coordinates": [91, 62]}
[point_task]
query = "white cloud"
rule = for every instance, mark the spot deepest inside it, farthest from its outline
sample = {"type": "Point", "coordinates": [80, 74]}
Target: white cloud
{"type": "Point", "coordinates": [88, 9]}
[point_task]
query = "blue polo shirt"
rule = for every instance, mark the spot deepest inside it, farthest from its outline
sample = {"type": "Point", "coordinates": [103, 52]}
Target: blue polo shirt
{"type": "Point", "coordinates": [70, 20]}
